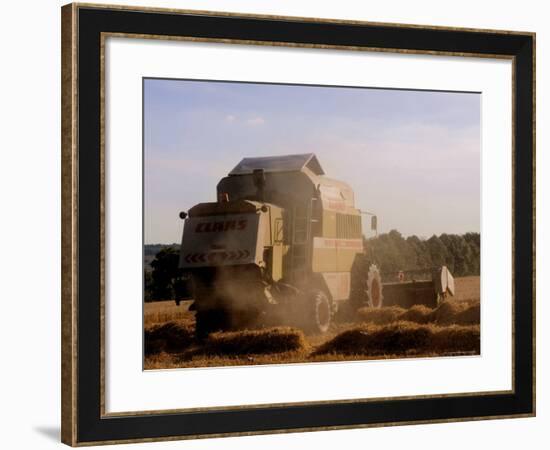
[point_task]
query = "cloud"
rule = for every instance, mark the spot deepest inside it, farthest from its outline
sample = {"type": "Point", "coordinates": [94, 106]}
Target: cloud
{"type": "Point", "coordinates": [255, 121]}
{"type": "Point", "coordinates": [252, 122]}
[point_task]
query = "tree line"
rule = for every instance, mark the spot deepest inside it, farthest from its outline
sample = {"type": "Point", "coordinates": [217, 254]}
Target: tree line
{"type": "Point", "coordinates": [459, 252]}
{"type": "Point", "coordinates": [392, 252]}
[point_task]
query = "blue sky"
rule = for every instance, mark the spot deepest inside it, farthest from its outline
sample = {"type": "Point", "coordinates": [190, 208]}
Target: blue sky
{"type": "Point", "coordinates": [412, 157]}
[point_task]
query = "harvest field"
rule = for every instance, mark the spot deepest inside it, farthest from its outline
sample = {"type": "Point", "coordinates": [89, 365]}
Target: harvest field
{"type": "Point", "coordinates": [451, 329]}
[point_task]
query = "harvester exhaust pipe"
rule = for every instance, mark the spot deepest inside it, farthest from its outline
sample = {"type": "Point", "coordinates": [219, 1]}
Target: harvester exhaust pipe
{"type": "Point", "coordinates": [258, 178]}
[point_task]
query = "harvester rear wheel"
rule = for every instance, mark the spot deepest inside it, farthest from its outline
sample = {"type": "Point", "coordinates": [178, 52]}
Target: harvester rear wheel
{"type": "Point", "coordinates": [366, 284]}
{"type": "Point", "coordinates": [318, 312]}
{"type": "Point", "coordinates": [374, 287]}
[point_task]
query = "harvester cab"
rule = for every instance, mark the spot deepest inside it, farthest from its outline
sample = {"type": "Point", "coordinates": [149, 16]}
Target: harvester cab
{"type": "Point", "coordinates": [283, 243]}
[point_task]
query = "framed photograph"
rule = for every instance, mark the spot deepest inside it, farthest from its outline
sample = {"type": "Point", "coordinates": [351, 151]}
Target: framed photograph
{"type": "Point", "coordinates": [281, 224]}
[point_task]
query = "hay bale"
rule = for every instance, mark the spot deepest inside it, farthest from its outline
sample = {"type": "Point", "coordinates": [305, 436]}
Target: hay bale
{"type": "Point", "coordinates": [247, 342]}
{"type": "Point", "coordinates": [456, 338]}
{"type": "Point", "coordinates": [380, 316]}
{"type": "Point", "coordinates": [418, 313]}
{"type": "Point", "coordinates": [354, 341]}
{"type": "Point", "coordinates": [399, 337]}
{"type": "Point", "coordinates": [152, 347]}
{"type": "Point", "coordinates": [470, 316]}
{"type": "Point", "coordinates": [468, 301]}
{"type": "Point", "coordinates": [169, 337]}
{"type": "Point", "coordinates": [403, 338]}
{"type": "Point", "coordinates": [447, 311]}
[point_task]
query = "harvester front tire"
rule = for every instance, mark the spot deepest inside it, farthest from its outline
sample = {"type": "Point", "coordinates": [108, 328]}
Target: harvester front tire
{"type": "Point", "coordinates": [207, 322]}
{"type": "Point", "coordinates": [318, 312]}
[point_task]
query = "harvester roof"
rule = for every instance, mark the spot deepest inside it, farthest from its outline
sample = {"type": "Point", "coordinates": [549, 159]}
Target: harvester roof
{"type": "Point", "coordinates": [283, 163]}
{"type": "Point", "coordinates": [289, 178]}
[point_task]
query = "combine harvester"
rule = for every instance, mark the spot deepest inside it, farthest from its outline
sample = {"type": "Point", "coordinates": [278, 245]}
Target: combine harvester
{"type": "Point", "coordinates": [284, 244]}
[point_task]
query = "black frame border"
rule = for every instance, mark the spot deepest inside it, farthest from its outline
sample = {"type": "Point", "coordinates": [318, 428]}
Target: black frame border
{"type": "Point", "coordinates": [91, 426]}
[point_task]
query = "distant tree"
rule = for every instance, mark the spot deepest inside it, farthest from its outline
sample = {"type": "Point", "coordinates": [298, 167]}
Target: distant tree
{"type": "Point", "coordinates": [147, 285]}
{"type": "Point", "coordinates": [438, 251]}
{"type": "Point", "coordinates": [449, 254]}
{"type": "Point", "coordinates": [423, 259]}
{"type": "Point", "coordinates": [168, 280]}
{"type": "Point", "coordinates": [384, 250]}
{"type": "Point", "coordinates": [473, 240]}
{"type": "Point", "coordinates": [462, 255]}
{"type": "Point", "coordinates": [405, 249]}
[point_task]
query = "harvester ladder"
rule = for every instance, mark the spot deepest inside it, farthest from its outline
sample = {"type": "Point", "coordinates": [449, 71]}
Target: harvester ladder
{"type": "Point", "coordinates": [300, 244]}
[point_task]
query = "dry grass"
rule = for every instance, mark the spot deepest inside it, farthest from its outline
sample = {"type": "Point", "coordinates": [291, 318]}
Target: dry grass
{"type": "Point", "coordinates": [162, 312]}
{"type": "Point", "coordinates": [466, 289]}
{"type": "Point", "coordinates": [447, 313]}
{"type": "Point", "coordinates": [470, 315]}
{"type": "Point", "coordinates": [170, 337]}
{"type": "Point", "coordinates": [381, 316]}
{"type": "Point", "coordinates": [418, 314]}
{"type": "Point", "coordinates": [393, 332]}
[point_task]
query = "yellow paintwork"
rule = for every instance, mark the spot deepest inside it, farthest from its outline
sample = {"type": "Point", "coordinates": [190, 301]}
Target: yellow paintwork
{"type": "Point", "coordinates": [324, 260]}
{"type": "Point", "coordinates": [333, 259]}
{"type": "Point", "coordinates": [329, 224]}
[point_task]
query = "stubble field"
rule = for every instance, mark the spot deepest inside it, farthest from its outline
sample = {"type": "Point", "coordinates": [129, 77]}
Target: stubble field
{"type": "Point", "coordinates": [392, 332]}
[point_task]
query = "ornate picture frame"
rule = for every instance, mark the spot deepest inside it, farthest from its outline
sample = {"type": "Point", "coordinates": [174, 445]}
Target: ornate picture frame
{"type": "Point", "coordinates": [85, 28]}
